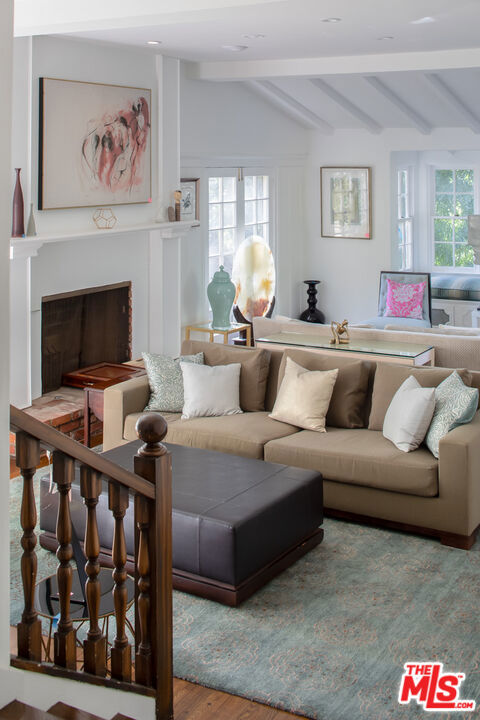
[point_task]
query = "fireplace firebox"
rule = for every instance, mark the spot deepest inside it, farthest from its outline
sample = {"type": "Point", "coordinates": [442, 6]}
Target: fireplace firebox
{"type": "Point", "coordinates": [85, 327]}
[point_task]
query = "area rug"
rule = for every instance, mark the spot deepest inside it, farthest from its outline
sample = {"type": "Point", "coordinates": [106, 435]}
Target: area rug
{"type": "Point", "coordinates": [328, 638]}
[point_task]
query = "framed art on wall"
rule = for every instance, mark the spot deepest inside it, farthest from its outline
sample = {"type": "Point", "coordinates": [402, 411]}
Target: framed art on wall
{"type": "Point", "coordinates": [346, 203]}
{"type": "Point", "coordinates": [189, 205]}
{"type": "Point", "coordinates": [94, 145]}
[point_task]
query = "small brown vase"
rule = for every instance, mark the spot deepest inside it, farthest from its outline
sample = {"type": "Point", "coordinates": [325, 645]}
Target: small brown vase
{"type": "Point", "coordinates": [18, 223]}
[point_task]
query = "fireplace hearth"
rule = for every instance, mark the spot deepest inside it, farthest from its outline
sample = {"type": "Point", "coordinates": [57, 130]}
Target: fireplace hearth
{"type": "Point", "coordinates": [85, 327]}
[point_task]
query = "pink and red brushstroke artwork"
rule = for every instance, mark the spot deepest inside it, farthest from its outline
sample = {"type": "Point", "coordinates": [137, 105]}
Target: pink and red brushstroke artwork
{"type": "Point", "coordinates": [114, 146]}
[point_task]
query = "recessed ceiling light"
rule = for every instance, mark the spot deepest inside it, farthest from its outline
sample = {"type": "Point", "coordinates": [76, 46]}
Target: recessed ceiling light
{"type": "Point", "coordinates": [257, 36]}
{"type": "Point", "coordinates": [235, 48]}
{"type": "Point", "coordinates": [423, 20]}
{"type": "Point", "coordinates": [154, 42]}
{"type": "Point", "coordinates": [386, 37]}
{"type": "Point", "coordinates": [332, 20]}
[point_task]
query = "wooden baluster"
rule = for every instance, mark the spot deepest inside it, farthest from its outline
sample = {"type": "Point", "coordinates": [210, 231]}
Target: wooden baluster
{"type": "Point", "coordinates": [94, 647]}
{"type": "Point", "coordinates": [121, 657]}
{"type": "Point", "coordinates": [65, 654]}
{"type": "Point", "coordinates": [29, 630]}
{"type": "Point", "coordinates": [154, 565]}
{"type": "Point", "coordinates": [143, 629]}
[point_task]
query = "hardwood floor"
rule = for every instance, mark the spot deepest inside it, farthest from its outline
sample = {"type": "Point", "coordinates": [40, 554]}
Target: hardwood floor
{"type": "Point", "coordinates": [195, 702]}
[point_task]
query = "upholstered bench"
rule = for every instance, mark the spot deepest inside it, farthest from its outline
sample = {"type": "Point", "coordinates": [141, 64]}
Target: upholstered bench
{"type": "Point", "coordinates": [237, 522]}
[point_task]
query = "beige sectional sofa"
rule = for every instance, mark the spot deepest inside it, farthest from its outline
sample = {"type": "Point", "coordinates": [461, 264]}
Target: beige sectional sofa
{"type": "Point", "coordinates": [365, 476]}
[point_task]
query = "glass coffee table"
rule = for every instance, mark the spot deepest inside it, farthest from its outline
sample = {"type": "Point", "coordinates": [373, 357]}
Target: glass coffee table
{"type": "Point", "coordinates": [377, 350]}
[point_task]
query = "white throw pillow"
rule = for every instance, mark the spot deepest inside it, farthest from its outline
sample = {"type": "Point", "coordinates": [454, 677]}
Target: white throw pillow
{"type": "Point", "coordinates": [409, 415]}
{"type": "Point", "coordinates": [304, 396]}
{"type": "Point", "coordinates": [212, 391]}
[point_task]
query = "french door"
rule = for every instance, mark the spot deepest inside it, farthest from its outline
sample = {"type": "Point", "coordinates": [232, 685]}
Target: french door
{"type": "Point", "coordinates": [240, 204]}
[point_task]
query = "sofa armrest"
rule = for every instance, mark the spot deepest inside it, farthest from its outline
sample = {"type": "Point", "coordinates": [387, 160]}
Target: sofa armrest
{"type": "Point", "coordinates": [119, 401]}
{"type": "Point", "coordinates": [459, 473]}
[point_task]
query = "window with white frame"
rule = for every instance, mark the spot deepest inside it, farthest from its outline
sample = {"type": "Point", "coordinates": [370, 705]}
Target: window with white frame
{"type": "Point", "coordinates": [222, 222]}
{"type": "Point", "coordinates": [405, 218]}
{"type": "Point", "coordinates": [453, 201]}
{"type": "Point", "coordinates": [239, 206]}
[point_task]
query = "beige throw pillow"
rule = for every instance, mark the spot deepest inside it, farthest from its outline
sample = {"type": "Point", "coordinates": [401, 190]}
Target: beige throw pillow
{"type": "Point", "coordinates": [304, 396]}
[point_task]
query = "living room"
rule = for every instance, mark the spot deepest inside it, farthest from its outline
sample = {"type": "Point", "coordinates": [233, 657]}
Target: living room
{"type": "Point", "coordinates": [242, 93]}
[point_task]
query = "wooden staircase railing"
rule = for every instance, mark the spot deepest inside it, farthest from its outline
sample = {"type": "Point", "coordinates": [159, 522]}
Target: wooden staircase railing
{"type": "Point", "coordinates": [151, 673]}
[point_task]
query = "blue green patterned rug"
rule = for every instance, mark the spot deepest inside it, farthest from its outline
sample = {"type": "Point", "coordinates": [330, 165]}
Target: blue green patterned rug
{"type": "Point", "coordinates": [329, 637]}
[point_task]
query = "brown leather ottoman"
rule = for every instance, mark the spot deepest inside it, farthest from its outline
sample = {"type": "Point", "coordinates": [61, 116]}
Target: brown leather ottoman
{"type": "Point", "coordinates": [237, 522]}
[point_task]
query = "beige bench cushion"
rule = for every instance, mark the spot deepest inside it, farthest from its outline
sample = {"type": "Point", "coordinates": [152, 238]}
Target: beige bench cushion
{"type": "Point", "coordinates": [244, 434]}
{"type": "Point", "coordinates": [360, 457]}
{"type": "Point", "coordinates": [129, 432]}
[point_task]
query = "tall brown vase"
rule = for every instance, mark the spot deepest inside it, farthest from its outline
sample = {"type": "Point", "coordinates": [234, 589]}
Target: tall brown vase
{"type": "Point", "coordinates": [18, 223]}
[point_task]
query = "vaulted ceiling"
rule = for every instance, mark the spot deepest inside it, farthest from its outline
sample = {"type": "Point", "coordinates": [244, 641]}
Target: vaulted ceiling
{"type": "Point", "coordinates": [329, 63]}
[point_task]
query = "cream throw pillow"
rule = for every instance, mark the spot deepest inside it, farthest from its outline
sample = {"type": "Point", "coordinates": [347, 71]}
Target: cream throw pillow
{"type": "Point", "coordinates": [213, 391]}
{"type": "Point", "coordinates": [409, 415]}
{"type": "Point", "coordinates": [304, 396]}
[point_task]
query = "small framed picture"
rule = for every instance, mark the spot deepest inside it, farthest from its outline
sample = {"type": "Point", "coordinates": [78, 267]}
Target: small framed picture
{"type": "Point", "coordinates": [346, 202]}
{"type": "Point", "coordinates": [189, 204]}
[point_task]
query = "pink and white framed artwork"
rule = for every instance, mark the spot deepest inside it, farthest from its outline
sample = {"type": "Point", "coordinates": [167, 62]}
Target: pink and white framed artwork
{"type": "Point", "coordinates": [95, 144]}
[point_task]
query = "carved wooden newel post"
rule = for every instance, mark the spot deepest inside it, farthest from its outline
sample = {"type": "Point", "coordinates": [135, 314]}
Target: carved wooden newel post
{"type": "Point", "coordinates": [29, 630]}
{"type": "Point", "coordinates": [65, 654]}
{"type": "Point", "coordinates": [94, 647]}
{"type": "Point", "coordinates": [153, 519]}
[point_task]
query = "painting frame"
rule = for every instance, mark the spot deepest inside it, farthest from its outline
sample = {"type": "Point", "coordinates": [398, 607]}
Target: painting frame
{"type": "Point", "coordinates": [346, 202]}
{"type": "Point", "coordinates": [73, 173]}
{"type": "Point", "coordinates": [190, 184]}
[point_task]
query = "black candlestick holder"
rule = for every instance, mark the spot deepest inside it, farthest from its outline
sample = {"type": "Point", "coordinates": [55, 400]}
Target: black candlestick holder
{"type": "Point", "coordinates": [312, 314]}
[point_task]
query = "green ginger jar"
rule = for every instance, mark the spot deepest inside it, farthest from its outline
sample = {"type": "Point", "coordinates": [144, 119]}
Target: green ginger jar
{"type": "Point", "coordinates": [221, 294]}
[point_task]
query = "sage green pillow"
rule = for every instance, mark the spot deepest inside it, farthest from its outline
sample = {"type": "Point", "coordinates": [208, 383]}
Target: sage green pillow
{"type": "Point", "coordinates": [455, 404]}
{"type": "Point", "coordinates": [166, 380]}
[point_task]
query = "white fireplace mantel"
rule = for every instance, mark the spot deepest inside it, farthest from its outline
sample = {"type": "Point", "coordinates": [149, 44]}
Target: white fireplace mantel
{"type": "Point", "coordinates": [29, 246]}
{"type": "Point", "coordinates": [164, 295]}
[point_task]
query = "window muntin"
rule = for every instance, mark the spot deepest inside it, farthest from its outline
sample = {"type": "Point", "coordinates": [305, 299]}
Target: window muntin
{"type": "Point", "coordinates": [405, 218]}
{"type": "Point", "coordinates": [453, 202]}
{"type": "Point", "coordinates": [237, 209]}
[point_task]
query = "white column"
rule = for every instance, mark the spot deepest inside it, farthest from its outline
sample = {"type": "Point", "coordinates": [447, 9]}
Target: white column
{"type": "Point", "coordinates": [20, 321]}
{"type": "Point", "coordinates": [165, 289]}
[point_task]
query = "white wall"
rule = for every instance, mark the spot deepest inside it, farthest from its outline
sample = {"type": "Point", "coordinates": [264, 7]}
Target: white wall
{"type": "Point", "coordinates": [228, 125]}
{"type": "Point", "coordinates": [6, 34]}
{"type": "Point", "coordinates": [349, 269]}
{"type": "Point", "coordinates": [77, 60]}
{"type": "Point", "coordinates": [137, 256]}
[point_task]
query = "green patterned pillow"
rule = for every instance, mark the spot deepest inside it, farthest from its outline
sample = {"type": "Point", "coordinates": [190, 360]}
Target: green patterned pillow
{"type": "Point", "coordinates": [455, 404]}
{"type": "Point", "coordinates": [166, 380]}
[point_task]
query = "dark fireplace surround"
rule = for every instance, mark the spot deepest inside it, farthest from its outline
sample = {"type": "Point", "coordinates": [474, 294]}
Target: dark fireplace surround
{"type": "Point", "coordinates": [85, 327]}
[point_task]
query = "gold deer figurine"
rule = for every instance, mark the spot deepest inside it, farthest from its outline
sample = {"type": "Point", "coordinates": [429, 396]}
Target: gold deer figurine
{"type": "Point", "coordinates": [339, 330]}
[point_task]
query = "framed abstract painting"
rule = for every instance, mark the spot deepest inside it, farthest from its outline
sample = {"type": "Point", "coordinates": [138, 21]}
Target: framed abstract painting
{"type": "Point", "coordinates": [346, 202]}
{"type": "Point", "coordinates": [94, 145]}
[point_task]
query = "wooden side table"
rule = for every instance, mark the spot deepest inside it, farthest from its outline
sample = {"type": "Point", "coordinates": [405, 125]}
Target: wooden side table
{"type": "Point", "coordinates": [232, 330]}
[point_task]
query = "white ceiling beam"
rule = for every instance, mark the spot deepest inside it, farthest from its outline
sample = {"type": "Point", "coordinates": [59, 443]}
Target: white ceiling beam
{"type": "Point", "coordinates": [290, 105]}
{"type": "Point", "coordinates": [347, 105]}
{"type": "Point", "coordinates": [343, 65]}
{"type": "Point", "coordinates": [451, 97]}
{"type": "Point", "coordinates": [414, 117]}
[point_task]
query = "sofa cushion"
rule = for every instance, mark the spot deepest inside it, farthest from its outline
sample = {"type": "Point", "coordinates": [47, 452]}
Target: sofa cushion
{"type": "Point", "coordinates": [244, 434]}
{"type": "Point", "coordinates": [346, 408]}
{"type": "Point", "coordinates": [359, 457]}
{"type": "Point", "coordinates": [253, 373]}
{"type": "Point", "coordinates": [388, 379]}
{"type": "Point", "coordinates": [129, 432]}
